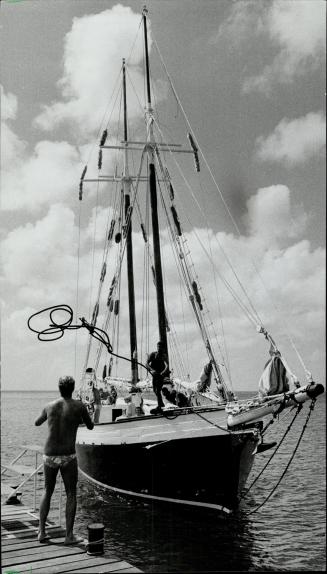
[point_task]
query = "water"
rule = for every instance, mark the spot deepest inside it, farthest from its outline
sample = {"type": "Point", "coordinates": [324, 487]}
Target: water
{"type": "Point", "coordinates": [287, 534]}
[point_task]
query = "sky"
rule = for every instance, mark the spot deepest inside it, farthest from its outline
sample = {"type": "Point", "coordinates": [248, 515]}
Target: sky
{"type": "Point", "coordinates": [251, 79]}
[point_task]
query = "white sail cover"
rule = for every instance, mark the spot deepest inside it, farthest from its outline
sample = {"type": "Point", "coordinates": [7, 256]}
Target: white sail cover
{"type": "Point", "coordinates": [275, 378]}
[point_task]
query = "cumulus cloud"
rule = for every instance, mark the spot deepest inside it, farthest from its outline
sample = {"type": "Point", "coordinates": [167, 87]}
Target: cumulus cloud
{"type": "Point", "coordinates": [269, 215]}
{"type": "Point", "coordinates": [9, 105]}
{"type": "Point", "coordinates": [32, 180]}
{"type": "Point", "coordinates": [294, 141]}
{"type": "Point", "coordinates": [243, 17]}
{"type": "Point", "coordinates": [297, 30]}
{"type": "Point", "coordinates": [12, 148]}
{"type": "Point", "coordinates": [272, 262]}
{"type": "Point", "coordinates": [40, 268]}
{"type": "Point", "coordinates": [293, 31]}
{"type": "Point", "coordinates": [39, 260]}
{"type": "Point", "coordinates": [92, 61]}
{"type": "Point", "coordinates": [47, 175]}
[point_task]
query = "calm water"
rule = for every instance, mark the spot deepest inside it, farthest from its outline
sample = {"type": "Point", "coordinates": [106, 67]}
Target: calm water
{"type": "Point", "coordinates": [288, 533]}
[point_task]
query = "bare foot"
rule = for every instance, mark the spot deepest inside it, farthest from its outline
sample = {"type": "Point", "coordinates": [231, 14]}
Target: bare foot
{"type": "Point", "coordinates": [71, 540]}
{"type": "Point", "coordinates": [43, 537]}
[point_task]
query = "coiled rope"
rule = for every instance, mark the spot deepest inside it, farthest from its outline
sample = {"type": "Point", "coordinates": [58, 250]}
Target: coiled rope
{"type": "Point", "coordinates": [57, 329]}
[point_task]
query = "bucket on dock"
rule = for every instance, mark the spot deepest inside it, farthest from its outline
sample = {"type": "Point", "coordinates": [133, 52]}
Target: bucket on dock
{"type": "Point", "coordinates": [95, 545]}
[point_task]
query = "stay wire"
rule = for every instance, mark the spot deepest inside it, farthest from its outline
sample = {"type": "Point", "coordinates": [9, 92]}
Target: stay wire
{"type": "Point", "coordinates": [312, 405]}
{"type": "Point", "coordinates": [186, 120]}
{"type": "Point", "coordinates": [273, 454]}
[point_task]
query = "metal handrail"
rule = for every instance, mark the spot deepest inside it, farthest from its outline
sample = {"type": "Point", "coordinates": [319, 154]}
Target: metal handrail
{"type": "Point", "coordinates": [33, 475]}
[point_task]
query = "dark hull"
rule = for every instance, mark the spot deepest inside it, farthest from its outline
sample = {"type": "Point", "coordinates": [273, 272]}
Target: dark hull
{"type": "Point", "coordinates": [205, 471]}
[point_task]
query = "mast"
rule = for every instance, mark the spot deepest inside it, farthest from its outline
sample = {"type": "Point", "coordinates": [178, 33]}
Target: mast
{"type": "Point", "coordinates": [153, 200]}
{"type": "Point", "coordinates": [129, 246]}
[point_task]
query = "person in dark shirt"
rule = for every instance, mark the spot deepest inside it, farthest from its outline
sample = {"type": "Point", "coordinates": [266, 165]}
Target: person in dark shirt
{"type": "Point", "coordinates": [159, 369]}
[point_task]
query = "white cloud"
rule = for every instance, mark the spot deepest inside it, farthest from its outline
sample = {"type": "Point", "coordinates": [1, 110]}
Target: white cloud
{"type": "Point", "coordinates": [243, 17]}
{"type": "Point", "coordinates": [12, 148]}
{"type": "Point", "coordinates": [48, 175]}
{"type": "Point", "coordinates": [269, 215]}
{"type": "Point", "coordinates": [292, 30]}
{"type": "Point", "coordinates": [299, 26]}
{"type": "Point", "coordinates": [294, 141]}
{"type": "Point", "coordinates": [297, 30]}
{"type": "Point", "coordinates": [40, 269]}
{"type": "Point", "coordinates": [92, 61]}
{"type": "Point", "coordinates": [39, 260]}
{"type": "Point", "coordinates": [9, 105]}
{"type": "Point", "coordinates": [30, 181]}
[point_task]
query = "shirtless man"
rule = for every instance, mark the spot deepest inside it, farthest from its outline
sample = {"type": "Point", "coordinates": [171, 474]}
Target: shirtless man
{"type": "Point", "coordinates": [64, 415]}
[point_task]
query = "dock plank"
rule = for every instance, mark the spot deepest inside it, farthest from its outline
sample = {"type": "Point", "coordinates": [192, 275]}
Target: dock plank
{"type": "Point", "coordinates": [21, 557]}
{"type": "Point", "coordinates": [130, 569]}
{"type": "Point", "coordinates": [30, 536]}
{"type": "Point", "coordinates": [74, 564]}
{"type": "Point", "coordinates": [10, 509]}
{"type": "Point", "coordinates": [32, 543]}
{"type": "Point", "coordinates": [21, 551]}
{"type": "Point", "coordinates": [106, 568]}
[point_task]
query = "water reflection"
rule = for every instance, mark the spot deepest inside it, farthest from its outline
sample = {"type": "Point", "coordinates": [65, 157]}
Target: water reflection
{"type": "Point", "coordinates": [157, 538]}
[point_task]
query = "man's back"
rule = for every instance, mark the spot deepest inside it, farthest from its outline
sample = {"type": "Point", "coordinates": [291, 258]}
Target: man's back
{"type": "Point", "coordinates": [64, 416]}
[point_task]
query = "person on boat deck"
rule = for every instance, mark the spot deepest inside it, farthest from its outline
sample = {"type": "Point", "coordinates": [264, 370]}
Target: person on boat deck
{"type": "Point", "coordinates": [172, 396]}
{"type": "Point", "coordinates": [112, 395]}
{"type": "Point", "coordinates": [64, 415]}
{"type": "Point", "coordinates": [158, 367]}
{"type": "Point", "coordinates": [134, 404]}
{"type": "Point", "coordinates": [94, 401]}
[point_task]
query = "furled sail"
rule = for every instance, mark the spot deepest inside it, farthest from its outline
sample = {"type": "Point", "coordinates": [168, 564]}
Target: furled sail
{"type": "Point", "coordinates": [275, 378]}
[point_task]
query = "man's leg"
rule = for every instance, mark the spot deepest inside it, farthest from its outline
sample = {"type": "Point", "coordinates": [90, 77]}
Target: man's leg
{"type": "Point", "coordinates": [157, 382]}
{"type": "Point", "coordinates": [158, 385]}
{"type": "Point", "coordinates": [69, 473]}
{"type": "Point", "coordinates": [50, 475]}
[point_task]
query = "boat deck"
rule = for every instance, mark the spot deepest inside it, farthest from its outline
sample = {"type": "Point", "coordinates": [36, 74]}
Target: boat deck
{"type": "Point", "coordinates": [21, 552]}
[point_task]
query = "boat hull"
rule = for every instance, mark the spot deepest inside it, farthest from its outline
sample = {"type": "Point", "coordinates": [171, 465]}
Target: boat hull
{"type": "Point", "coordinates": [208, 468]}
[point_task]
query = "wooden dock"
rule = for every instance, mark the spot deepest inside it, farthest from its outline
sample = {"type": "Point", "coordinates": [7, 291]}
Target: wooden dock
{"type": "Point", "coordinates": [22, 553]}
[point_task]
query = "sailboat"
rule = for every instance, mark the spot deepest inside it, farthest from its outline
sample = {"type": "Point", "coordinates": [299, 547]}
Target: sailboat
{"type": "Point", "coordinates": [197, 451]}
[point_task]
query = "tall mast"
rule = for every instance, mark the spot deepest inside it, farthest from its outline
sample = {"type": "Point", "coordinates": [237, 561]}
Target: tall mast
{"type": "Point", "coordinates": [129, 246]}
{"type": "Point", "coordinates": [153, 199]}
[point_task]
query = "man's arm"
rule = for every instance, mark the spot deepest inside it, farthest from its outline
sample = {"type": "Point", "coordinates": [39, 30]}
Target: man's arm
{"type": "Point", "coordinates": [86, 418]}
{"type": "Point", "coordinates": [42, 418]}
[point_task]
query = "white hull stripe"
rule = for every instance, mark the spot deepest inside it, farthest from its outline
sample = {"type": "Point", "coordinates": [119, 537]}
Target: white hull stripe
{"type": "Point", "coordinates": [160, 498]}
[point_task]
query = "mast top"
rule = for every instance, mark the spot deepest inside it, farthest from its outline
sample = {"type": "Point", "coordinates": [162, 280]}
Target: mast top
{"type": "Point", "coordinates": [145, 10]}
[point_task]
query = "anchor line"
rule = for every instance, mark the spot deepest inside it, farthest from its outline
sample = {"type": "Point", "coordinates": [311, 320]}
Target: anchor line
{"type": "Point", "coordinates": [273, 454]}
{"type": "Point", "coordinates": [312, 405]}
